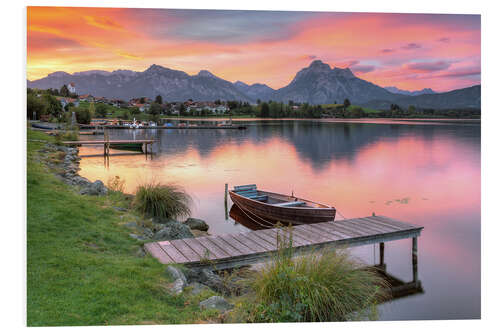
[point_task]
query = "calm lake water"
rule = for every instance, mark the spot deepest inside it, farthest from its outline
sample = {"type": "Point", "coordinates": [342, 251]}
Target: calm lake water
{"type": "Point", "coordinates": [424, 173]}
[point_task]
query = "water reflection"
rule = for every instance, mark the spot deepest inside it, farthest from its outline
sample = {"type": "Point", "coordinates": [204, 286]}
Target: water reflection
{"type": "Point", "coordinates": [428, 175]}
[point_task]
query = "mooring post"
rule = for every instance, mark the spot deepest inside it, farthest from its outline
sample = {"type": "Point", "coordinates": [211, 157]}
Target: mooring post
{"type": "Point", "coordinates": [414, 259]}
{"type": "Point", "coordinates": [381, 259]}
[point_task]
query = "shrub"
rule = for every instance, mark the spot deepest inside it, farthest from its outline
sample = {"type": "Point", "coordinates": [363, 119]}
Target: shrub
{"type": "Point", "coordinates": [162, 200]}
{"type": "Point", "coordinates": [323, 285]}
{"type": "Point", "coordinates": [116, 184]}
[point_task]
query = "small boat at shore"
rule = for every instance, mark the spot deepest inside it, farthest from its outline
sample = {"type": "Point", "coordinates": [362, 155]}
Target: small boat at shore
{"type": "Point", "coordinates": [286, 209]}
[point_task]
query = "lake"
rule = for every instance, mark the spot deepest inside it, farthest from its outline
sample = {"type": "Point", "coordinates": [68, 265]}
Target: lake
{"type": "Point", "coordinates": [425, 173]}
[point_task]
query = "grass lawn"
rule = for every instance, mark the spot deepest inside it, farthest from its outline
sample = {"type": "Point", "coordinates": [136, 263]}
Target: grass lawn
{"type": "Point", "coordinates": [82, 267]}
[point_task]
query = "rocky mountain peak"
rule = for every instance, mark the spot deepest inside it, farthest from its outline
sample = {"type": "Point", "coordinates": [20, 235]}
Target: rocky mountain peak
{"type": "Point", "coordinates": [205, 73]}
{"type": "Point", "coordinates": [319, 66]}
{"type": "Point", "coordinates": [345, 72]}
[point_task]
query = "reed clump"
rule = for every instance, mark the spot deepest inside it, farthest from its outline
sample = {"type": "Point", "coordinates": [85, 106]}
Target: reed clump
{"type": "Point", "coordinates": [325, 285]}
{"type": "Point", "coordinates": [162, 200]}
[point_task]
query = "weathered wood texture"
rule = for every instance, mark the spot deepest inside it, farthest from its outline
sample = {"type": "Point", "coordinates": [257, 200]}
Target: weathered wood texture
{"type": "Point", "coordinates": [233, 250]}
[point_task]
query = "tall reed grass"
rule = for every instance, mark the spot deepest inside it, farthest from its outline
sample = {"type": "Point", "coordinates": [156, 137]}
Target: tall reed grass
{"type": "Point", "coordinates": [162, 200]}
{"type": "Point", "coordinates": [323, 285]}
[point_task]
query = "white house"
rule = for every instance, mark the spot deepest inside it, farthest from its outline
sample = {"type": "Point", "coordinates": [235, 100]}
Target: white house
{"type": "Point", "coordinates": [72, 88]}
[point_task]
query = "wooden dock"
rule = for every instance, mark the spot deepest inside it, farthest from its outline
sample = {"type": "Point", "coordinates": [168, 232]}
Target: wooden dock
{"type": "Point", "coordinates": [201, 127]}
{"type": "Point", "coordinates": [233, 250]}
{"type": "Point", "coordinates": [107, 143]}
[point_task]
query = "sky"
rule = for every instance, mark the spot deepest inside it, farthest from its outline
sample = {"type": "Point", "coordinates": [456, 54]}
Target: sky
{"type": "Point", "coordinates": [409, 51]}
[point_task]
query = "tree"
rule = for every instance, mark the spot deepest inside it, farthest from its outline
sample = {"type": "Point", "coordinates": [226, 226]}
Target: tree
{"type": "Point", "coordinates": [64, 91]}
{"type": "Point", "coordinates": [101, 110]}
{"type": "Point", "coordinates": [155, 109]}
{"type": "Point", "coordinates": [135, 110]}
{"type": "Point", "coordinates": [82, 114]}
{"type": "Point", "coordinates": [142, 100]}
{"type": "Point", "coordinates": [411, 109]}
{"type": "Point", "coordinates": [52, 105]}
{"type": "Point", "coordinates": [159, 99]}
{"type": "Point", "coordinates": [182, 110]}
{"type": "Point", "coordinates": [347, 103]}
{"type": "Point", "coordinates": [264, 110]}
{"type": "Point", "coordinates": [34, 104]}
{"type": "Point", "coordinates": [92, 110]}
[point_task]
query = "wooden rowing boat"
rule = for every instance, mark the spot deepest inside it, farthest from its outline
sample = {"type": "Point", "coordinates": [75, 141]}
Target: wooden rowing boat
{"type": "Point", "coordinates": [284, 208]}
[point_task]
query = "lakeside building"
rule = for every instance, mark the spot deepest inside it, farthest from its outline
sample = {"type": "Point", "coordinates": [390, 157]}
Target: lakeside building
{"type": "Point", "coordinates": [72, 88]}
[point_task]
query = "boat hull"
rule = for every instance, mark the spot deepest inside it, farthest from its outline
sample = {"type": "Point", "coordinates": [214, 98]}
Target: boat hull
{"type": "Point", "coordinates": [285, 215]}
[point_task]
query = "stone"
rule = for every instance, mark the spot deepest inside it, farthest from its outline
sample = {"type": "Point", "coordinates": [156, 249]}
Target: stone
{"type": "Point", "coordinates": [197, 288]}
{"type": "Point", "coordinates": [175, 273]}
{"type": "Point", "coordinates": [196, 224]}
{"type": "Point", "coordinates": [177, 287]}
{"type": "Point", "coordinates": [138, 237]}
{"type": "Point", "coordinates": [119, 209]}
{"type": "Point", "coordinates": [173, 231]}
{"type": "Point", "coordinates": [163, 220]}
{"type": "Point", "coordinates": [96, 188]}
{"type": "Point", "coordinates": [140, 252]}
{"type": "Point", "coordinates": [216, 302]}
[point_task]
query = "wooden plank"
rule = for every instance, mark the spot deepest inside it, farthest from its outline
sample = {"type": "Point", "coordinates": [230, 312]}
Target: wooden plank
{"type": "Point", "coordinates": [331, 227]}
{"type": "Point", "coordinates": [264, 239]}
{"type": "Point", "coordinates": [313, 235]}
{"type": "Point", "coordinates": [341, 229]}
{"type": "Point", "coordinates": [395, 222]}
{"type": "Point", "coordinates": [352, 228]}
{"type": "Point", "coordinates": [262, 242]}
{"type": "Point", "coordinates": [156, 251]}
{"type": "Point", "coordinates": [185, 250]}
{"type": "Point", "coordinates": [301, 241]}
{"type": "Point", "coordinates": [237, 245]}
{"type": "Point", "coordinates": [382, 224]}
{"type": "Point", "coordinates": [213, 248]}
{"type": "Point", "coordinates": [245, 187]}
{"type": "Point", "coordinates": [202, 251]}
{"type": "Point", "coordinates": [255, 247]}
{"type": "Point", "coordinates": [333, 235]}
{"type": "Point", "coordinates": [234, 252]}
{"type": "Point", "coordinates": [173, 252]}
{"type": "Point", "coordinates": [362, 225]}
{"type": "Point", "coordinates": [380, 227]}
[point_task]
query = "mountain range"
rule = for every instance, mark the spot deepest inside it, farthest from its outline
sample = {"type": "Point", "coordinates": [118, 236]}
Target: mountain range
{"type": "Point", "coordinates": [316, 84]}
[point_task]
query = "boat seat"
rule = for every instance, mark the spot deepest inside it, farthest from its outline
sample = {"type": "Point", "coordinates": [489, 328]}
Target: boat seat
{"type": "Point", "coordinates": [245, 188]}
{"type": "Point", "coordinates": [290, 204]}
{"type": "Point", "coordinates": [248, 194]}
{"type": "Point", "coordinates": [258, 197]}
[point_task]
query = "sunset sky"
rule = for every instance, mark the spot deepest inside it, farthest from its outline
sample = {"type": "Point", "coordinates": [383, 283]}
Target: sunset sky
{"type": "Point", "coordinates": [410, 51]}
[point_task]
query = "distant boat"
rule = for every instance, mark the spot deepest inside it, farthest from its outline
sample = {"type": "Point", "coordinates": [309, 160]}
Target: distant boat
{"type": "Point", "coordinates": [284, 208]}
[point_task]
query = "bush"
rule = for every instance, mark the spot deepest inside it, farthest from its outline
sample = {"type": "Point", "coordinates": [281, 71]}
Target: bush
{"type": "Point", "coordinates": [116, 184]}
{"type": "Point", "coordinates": [83, 115]}
{"type": "Point", "coordinates": [162, 200]}
{"type": "Point", "coordinates": [319, 286]}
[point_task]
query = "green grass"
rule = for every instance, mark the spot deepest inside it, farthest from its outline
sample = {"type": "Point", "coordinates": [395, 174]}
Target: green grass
{"type": "Point", "coordinates": [365, 109]}
{"type": "Point", "coordinates": [162, 200]}
{"type": "Point", "coordinates": [81, 263]}
{"type": "Point", "coordinates": [323, 285]}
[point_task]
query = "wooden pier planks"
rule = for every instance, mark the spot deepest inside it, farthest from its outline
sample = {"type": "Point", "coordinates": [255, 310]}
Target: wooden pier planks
{"type": "Point", "coordinates": [232, 250]}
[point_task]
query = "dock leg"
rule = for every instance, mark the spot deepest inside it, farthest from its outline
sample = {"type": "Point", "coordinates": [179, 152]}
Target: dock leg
{"type": "Point", "coordinates": [225, 201]}
{"type": "Point", "coordinates": [414, 259]}
{"type": "Point", "coordinates": [381, 253]}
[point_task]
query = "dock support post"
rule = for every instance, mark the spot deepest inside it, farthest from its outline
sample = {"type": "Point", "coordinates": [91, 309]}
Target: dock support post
{"type": "Point", "coordinates": [381, 257]}
{"type": "Point", "coordinates": [414, 259]}
{"type": "Point", "coordinates": [225, 200]}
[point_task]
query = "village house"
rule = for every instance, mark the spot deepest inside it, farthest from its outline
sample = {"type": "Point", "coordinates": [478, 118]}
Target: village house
{"type": "Point", "coordinates": [66, 100]}
{"type": "Point", "coordinates": [197, 107]}
{"type": "Point", "coordinates": [86, 98]}
{"type": "Point", "coordinates": [72, 88]}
